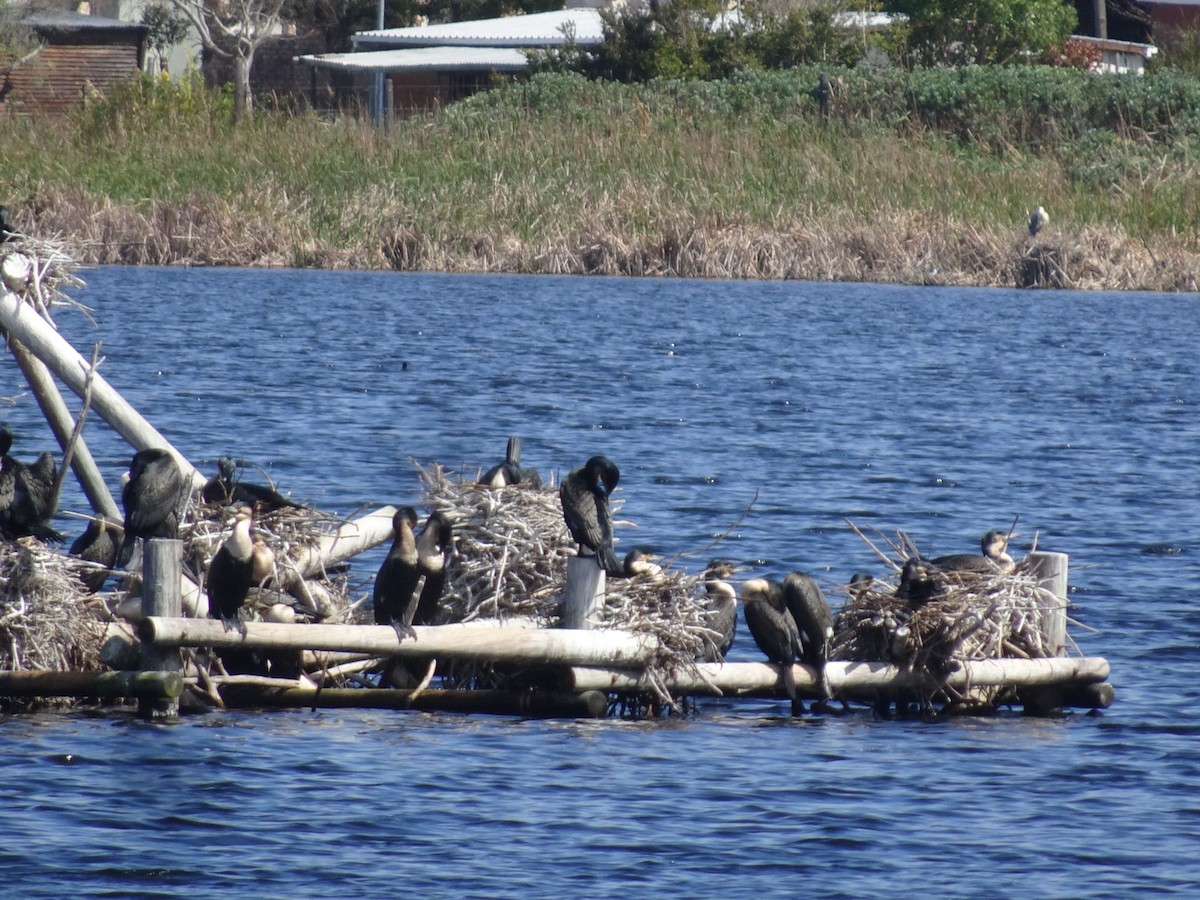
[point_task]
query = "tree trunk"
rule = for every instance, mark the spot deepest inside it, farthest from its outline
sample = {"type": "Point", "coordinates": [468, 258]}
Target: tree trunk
{"type": "Point", "coordinates": [242, 99]}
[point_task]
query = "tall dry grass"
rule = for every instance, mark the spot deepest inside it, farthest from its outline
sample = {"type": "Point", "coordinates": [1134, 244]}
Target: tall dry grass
{"type": "Point", "coordinates": [566, 177]}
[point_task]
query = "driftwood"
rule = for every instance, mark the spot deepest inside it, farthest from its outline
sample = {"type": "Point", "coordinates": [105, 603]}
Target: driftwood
{"type": "Point", "coordinates": [104, 685]}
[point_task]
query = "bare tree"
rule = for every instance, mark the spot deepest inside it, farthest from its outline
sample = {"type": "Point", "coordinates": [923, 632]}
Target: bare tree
{"type": "Point", "coordinates": [234, 29]}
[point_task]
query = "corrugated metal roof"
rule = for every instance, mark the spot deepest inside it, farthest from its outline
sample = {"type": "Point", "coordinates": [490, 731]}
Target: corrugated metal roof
{"type": "Point", "coordinates": [69, 20]}
{"type": "Point", "coordinates": [486, 59]}
{"type": "Point", "coordinates": [548, 29]}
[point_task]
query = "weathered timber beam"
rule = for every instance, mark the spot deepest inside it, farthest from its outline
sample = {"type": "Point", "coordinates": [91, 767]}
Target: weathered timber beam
{"type": "Point", "coordinates": [540, 645]}
{"type": "Point", "coordinates": [348, 540]}
{"type": "Point", "coordinates": [21, 322]}
{"type": "Point", "coordinates": [531, 704]}
{"type": "Point", "coordinates": [106, 685]}
{"type": "Point", "coordinates": [848, 679]}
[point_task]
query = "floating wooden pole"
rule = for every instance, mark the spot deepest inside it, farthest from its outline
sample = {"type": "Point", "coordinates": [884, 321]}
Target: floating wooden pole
{"type": "Point", "coordinates": [54, 408]}
{"type": "Point", "coordinates": [102, 685]}
{"type": "Point", "coordinates": [848, 679]}
{"type": "Point", "coordinates": [21, 322]}
{"type": "Point", "coordinates": [583, 596]}
{"type": "Point", "coordinates": [530, 704]}
{"type": "Point", "coordinates": [162, 564]}
{"type": "Point", "coordinates": [540, 645]}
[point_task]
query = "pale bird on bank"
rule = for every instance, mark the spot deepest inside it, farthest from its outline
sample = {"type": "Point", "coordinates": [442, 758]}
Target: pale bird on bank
{"type": "Point", "coordinates": [1038, 219]}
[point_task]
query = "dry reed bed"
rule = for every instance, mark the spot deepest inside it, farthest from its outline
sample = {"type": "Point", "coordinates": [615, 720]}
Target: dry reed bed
{"type": "Point", "coordinates": [901, 247]}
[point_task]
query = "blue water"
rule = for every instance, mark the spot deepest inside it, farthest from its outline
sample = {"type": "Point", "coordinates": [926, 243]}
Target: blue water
{"type": "Point", "coordinates": [766, 413]}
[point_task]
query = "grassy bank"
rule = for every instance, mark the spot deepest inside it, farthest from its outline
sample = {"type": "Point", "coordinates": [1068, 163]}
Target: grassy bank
{"type": "Point", "coordinates": [914, 178]}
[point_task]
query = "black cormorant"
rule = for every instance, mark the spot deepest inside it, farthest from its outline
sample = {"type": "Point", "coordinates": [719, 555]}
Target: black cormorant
{"type": "Point", "coordinates": [721, 609]}
{"type": "Point", "coordinates": [98, 543]}
{"type": "Point", "coordinates": [26, 494]}
{"type": "Point", "coordinates": [919, 582]}
{"type": "Point", "coordinates": [7, 232]}
{"type": "Point", "coordinates": [152, 499]}
{"type": "Point", "coordinates": [396, 581]}
{"type": "Point", "coordinates": [1038, 219]}
{"type": "Point", "coordinates": [814, 619]}
{"type": "Point", "coordinates": [507, 472]}
{"type": "Point", "coordinates": [223, 489]}
{"type": "Point", "coordinates": [773, 629]}
{"type": "Point", "coordinates": [641, 561]}
{"type": "Point", "coordinates": [433, 556]}
{"type": "Point", "coordinates": [994, 557]}
{"type": "Point", "coordinates": [584, 496]}
{"type": "Point", "coordinates": [230, 574]}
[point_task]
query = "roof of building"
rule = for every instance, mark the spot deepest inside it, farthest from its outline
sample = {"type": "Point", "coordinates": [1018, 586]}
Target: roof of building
{"type": "Point", "coordinates": [70, 21]}
{"type": "Point", "coordinates": [480, 59]}
{"type": "Point", "coordinates": [548, 29]}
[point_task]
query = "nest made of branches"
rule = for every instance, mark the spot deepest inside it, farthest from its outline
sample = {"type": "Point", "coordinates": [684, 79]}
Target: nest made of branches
{"type": "Point", "coordinates": [975, 616]}
{"type": "Point", "coordinates": [510, 559]}
{"type": "Point", "coordinates": [37, 271]}
{"type": "Point", "coordinates": [47, 619]}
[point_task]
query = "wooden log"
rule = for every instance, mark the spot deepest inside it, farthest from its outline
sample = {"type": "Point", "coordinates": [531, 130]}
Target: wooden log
{"type": "Point", "coordinates": [1051, 571]}
{"type": "Point", "coordinates": [848, 679]}
{"type": "Point", "coordinates": [101, 685]}
{"type": "Point", "coordinates": [54, 408]}
{"type": "Point", "coordinates": [583, 596]}
{"type": "Point", "coordinates": [1052, 699]}
{"type": "Point", "coordinates": [460, 642]}
{"type": "Point", "coordinates": [21, 322]}
{"type": "Point", "coordinates": [349, 540]}
{"type": "Point", "coordinates": [529, 704]}
{"type": "Point", "coordinates": [162, 565]}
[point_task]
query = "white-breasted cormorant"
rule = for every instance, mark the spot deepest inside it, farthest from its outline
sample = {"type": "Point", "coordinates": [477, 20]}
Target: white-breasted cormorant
{"type": "Point", "coordinates": [721, 609]}
{"type": "Point", "coordinates": [814, 619]}
{"type": "Point", "coordinates": [994, 556]}
{"type": "Point", "coordinates": [641, 560]}
{"type": "Point", "coordinates": [434, 544]}
{"type": "Point", "coordinates": [773, 629]}
{"type": "Point", "coordinates": [98, 543]}
{"type": "Point", "coordinates": [396, 582]}
{"type": "Point", "coordinates": [584, 496]}
{"type": "Point", "coordinates": [263, 558]}
{"type": "Point", "coordinates": [152, 499]}
{"type": "Point", "coordinates": [222, 488]}
{"type": "Point", "coordinates": [1038, 219]}
{"type": "Point", "coordinates": [230, 574]}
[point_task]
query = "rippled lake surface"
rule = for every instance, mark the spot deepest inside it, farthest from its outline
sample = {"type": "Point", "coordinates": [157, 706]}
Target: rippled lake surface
{"type": "Point", "coordinates": [942, 412]}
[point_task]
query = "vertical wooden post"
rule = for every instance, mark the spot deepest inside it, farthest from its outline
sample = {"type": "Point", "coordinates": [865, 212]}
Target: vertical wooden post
{"type": "Point", "coordinates": [162, 568]}
{"type": "Point", "coordinates": [583, 597]}
{"type": "Point", "coordinates": [1051, 571]}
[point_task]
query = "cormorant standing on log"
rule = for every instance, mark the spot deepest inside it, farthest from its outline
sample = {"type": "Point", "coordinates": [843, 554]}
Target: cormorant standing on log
{"type": "Point", "coordinates": [994, 557]}
{"type": "Point", "coordinates": [433, 557]}
{"type": "Point", "coordinates": [721, 612]}
{"type": "Point", "coordinates": [98, 543]}
{"type": "Point", "coordinates": [919, 582]}
{"type": "Point", "coordinates": [152, 497]}
{"type": "Point", "coordinates": [814, 620]}
{"type": "Point", "coordinates": [773, 629]}
{"type": "Point", "coordinates": [396, 581]}
{"type": "Point", "coordinates": [230, 574]}
{"type": "Point", "coordinates": [584, 496]}
{"type": "Point", "coordinates": [222, 489]}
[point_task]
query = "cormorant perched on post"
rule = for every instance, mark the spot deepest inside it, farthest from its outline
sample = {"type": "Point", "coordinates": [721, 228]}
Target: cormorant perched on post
{"type": "Point", "coordinates": [814, 619]}
{"type": "Point", "coordinates": [98, 544]}
{"type": "Point", "coordinates": [396, 581]}
{"type": "Point", "coordinates": [773, 629]}
{"type": "Point", "coordinates": [222, 489]}
{"type": "Point", "coordinates": [584, 496]}
{"type": "Point", "coordinates": [230, 574]}
{"type": "Point", "coordinates": [433, 556]}
{"type": "Point", "coordinates": [721, 612]}
{"type": "Point", "coordinates": [152, 497]}
{"type": "Point", "coordinates": [1038, 219]}
{"type": "Point", "coordinates": [919, 582]}
{"type": "Point", "coordinates": [641, 561]}
{"type": "Point", "coordinates": [994, 557]}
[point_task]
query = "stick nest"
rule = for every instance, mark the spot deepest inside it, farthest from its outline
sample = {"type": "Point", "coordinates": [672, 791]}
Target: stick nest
{"type": "Point", "coordinates": [510, 559]}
